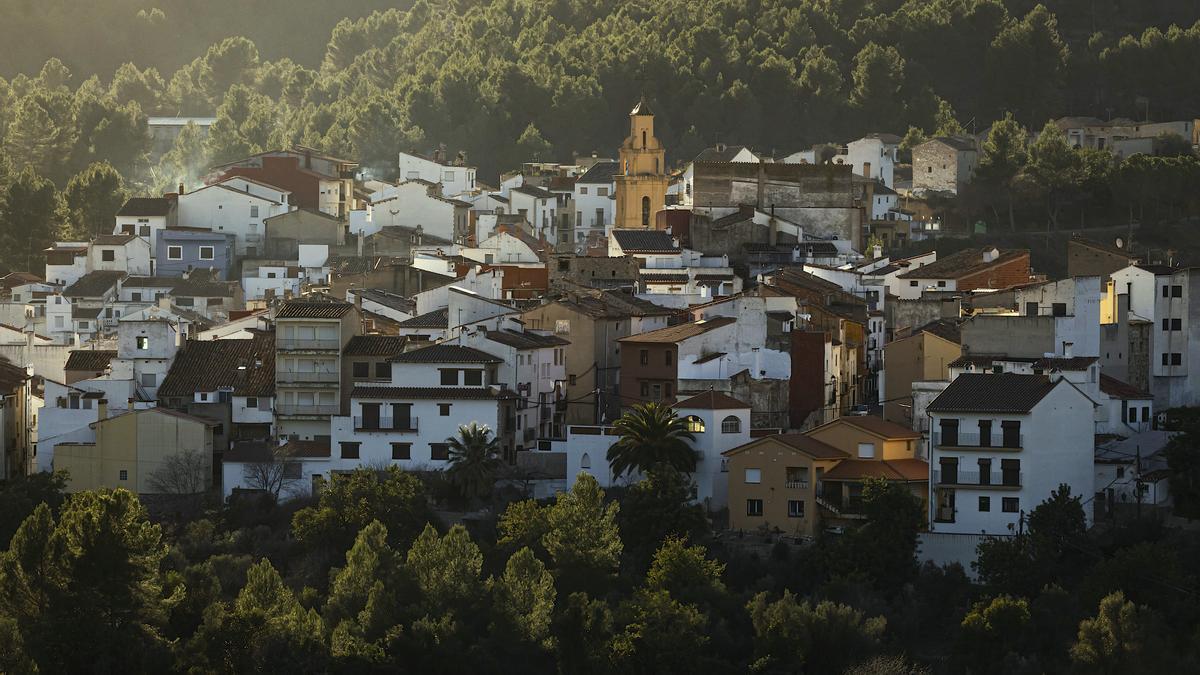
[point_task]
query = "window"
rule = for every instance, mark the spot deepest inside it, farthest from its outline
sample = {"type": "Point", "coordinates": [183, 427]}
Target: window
{"type": "Point", "coordinates": [206, 253]}
{"type": "Point", "coordinates": [985, 504]}
{"type": "Point", "coordinates": [694, 424]}
{"type": "Point", "coordinates": [645, 391]}
{"type": "Point", "coordinates": [135, 297]}
{"type": "Point", "coordinates": [1168, 359]}
{"type": "Point", "coordinates": [149, 380]}
{"type": "Point", "coordinates": [1166, 291]}
{"type": "Point", "coordinates": [444, 409]}
{"type": "Point", "coordinates": [731, 425]}
{"type": "Point", "coordinates": [644, 356]}
{"type": "Point", "coordinates": [185, 302]}
{"type": "Point", "coordinates": [795, 508]}
{"type": "Point", "coordinates": [448, 176]}
{"type": "Point", "coordinates": [350, 449]}
{"type": "Point", "coordinates": [473, 378]}
{"type": "Point", "coordinates": [174, 253]}
{"type": "Point", "coordinates": [582, 190]}
{"type": "Point", "coordinates": [949, 432]}
{"type": "Point", "coordinates": [603, 191]}
{"type": "Point", "coordinates": [645, 212]}
{"type": "Point", "coordinates": [913, 283]}
{"type": "Point", "coordinates": [1010, 472]}
{"type": "Point", "coordinates": [1146, 413]}
{"type": "Point", "coordinates": [293, 470]}
{"type": "Point", "coordinates": [571, 380]}
{"type": "Point", "coordinates": [941, 283]}
{"type": "Point", "coordinates": [124, 474]}
{"type": "Point", "coordinates": [985, 433]}
{"type": "Point", "coordinates": [108, 255]}
{"type": "Point", "coordinates": [985, 471]}
{"type": "Point", "coordinates": [439, 451]}
{"type": "Point", "coordinates": [449, 377]}
{"type": "Point", "coordinates": [1172, 324]}
{"type": "Point", "coordinates": [383, 370]}
{"type": "Point", "coordinates": [1133, 414]}
{"type": "Point", "coordinates": [1011, 433]}
{"type": "Point", "coordinates": [83, 325]}
{"type": "Point", "coordinates": [412, 175]}
{"type": "Point", "coordinates": [254, 210]}
{"type": "Point", "coordinates": [753, 476]}
{"type": "Point", "coordinates": [361, 370]}
{"type": "Point", "coordinates": [562, 327]}
{"type": "Point", "coordinates": [1058, 309]}
{"type": "Point", "coordinates": [251, 401]}
{"type": "Point", "coordinates": [754, 507]}
{"type": "Point", "coordinates": [143, 231]}
{"type": "Point", "coordinates": [401, 450]}
{"type": "Point", "coordinates": [668, 357]}
{"type": "Point", "coordinates": [866, 451]}
{"type": "Point", "coordinates": [1177, 291]}
{"type": "Point", "coordinates": [143, 343]}
{"type": "Point", "coordinates": [1010, 504]}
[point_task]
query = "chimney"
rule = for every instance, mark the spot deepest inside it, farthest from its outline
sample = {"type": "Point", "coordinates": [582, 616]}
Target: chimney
{"type": "Point", "coordinates": [181, 190]}
{"type": "Point", "coordinates": [1068, 350]}
{"type": "Point", "coordinates": [867, 169]}
{"type": "Point", "coordinates": [757, 373]}
{"type": "Point", "coordinates": [102, 410]}
{"type": "Point", "coordinates": [991, 254]}
{"type": "Point", "coordinates": [876, 251]}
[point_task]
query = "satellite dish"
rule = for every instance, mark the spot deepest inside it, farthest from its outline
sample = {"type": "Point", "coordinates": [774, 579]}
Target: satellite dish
{"type": "Point", "coordinates": [1120, 242]}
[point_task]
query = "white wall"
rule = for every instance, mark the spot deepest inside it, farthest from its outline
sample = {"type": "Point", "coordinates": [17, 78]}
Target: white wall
{"type": "Point", "coordinates": [454, 179]}
{"type": "Point", "coordinates": [219, 209]}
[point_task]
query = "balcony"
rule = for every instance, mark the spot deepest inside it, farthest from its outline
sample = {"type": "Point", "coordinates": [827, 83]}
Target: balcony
{"type": "Point", "coordinates": [290, 376]}
{"type": "Point", "coordinates": [400, 424]}
{"type": "Point", "coordinates": [253, 238]}
{"type": "Point", "coordinates": [296, 344]}
{"type": "Point", "coordinates": [998, 480]}
{"type": "Point", "coordinates": [971, 441]}
{"type": "Point", "coordinates": [295, 409]}
{"type": "Point", "coordinates": [796, 485]}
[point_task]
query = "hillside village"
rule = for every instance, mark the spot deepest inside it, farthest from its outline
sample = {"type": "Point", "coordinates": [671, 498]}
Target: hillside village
{"type": "Point", "coordinates": [327, 321]}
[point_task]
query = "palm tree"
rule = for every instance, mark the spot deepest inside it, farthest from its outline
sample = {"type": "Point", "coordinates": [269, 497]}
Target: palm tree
{"type": "Point", "coordinates": [651, 434]}
{"type": "Point", "coordinates": [473, 460]}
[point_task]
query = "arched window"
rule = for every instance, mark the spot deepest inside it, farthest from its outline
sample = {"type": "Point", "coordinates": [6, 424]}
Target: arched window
{"type": "Point", "coordinates": [643, 138]}
{"type": "Point", "coordinates": [731, 425]}
{"type": "Point", "coordinates": [585, 462]}
{"type": "Point", "coordinates": [695, 424]}
{"type": "Point", "coordinates": [645, 212]}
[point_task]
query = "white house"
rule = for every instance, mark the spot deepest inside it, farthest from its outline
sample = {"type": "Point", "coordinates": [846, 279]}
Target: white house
{"type": "Point", "coordinates": [505, 247]}
{"type": "Point", "coordinates": [268, 279]}
{"type": "Point", "coordinates": [718, 153]}
{"type": "Point", "coordinates": [1163, 296]}
{"type": "Point", "coordinates": [420, 203]}
{"type": "Point", "coordinates": [220, 207]}
{"type": "Point", "coordinates": [407, 421]}
{"type": "Point", "coordinates": [147, 342]}
{"type": "Point", "coordinates": [127, 253]}
{"type": "Point", "coordinates": [1001, 444]}
{"type": "Point", "coordinates": [595, 197]}
{"type": "Point", "coordinates": [455, 176]}
{"type": "Point", "coordinates": [145, 217]}
{"type": "Point", "coordinates": [874, 156]}
{"type": "Point", "coordinates": [539, 207]}
{"type": "Point", "coordinates": [66, 262]}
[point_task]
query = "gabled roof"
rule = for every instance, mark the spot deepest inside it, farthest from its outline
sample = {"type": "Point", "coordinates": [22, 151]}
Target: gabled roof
{"type": "Point", "coordinates": [614, 305]}
{"type": "Point", "coordinates": [802, 442]}
{"type": "Point", "coordinates": [888, 469]}
{"type": "Point", "coordinates": [961, 264]}
{"type": "Point", "coordinates": [947, 329]}
{"type": "Point", "coordinates": [534, 191]}
{"type": "Point", "coordinates": [712, 400]}
{"type": "Point", "coordinates": [959, 143]}
{"type": "Point", "coordinates": [720, 153]}
{"type": "Point", "coordinates": [876, 426]}
{"type": "Point", "coordinates": [673, 334]}
{"type": "Point", "coordinates": [246, 365]}
{"type": "Point", "coordinates": [309, 309]}
{"type": "Point", "coordinates": [999, 392]}
{"type": "Point", "coordinates": [375, 345]}
{"type": "Point", "coordinates": [113, 239]}
{"type": "Point", "coordinates": [441, 353]}
{"type": "Point", "coordinates": [1106, 248]}
{"type": "Point", "coordinates": [1064, 363]}
{"type": "Point", "coordinates": [890, 139]}
{"type": "Point", "coordinates": [601, 173]}
{"type": "Point", "coordinates": [94, 284]}
{"type": "Point", "coordinates": [145, 206]}
{"type": "Point", "coordinates": [90, 359]}
{"type": "Point", "coordinates": [645, 241]}
{"type": "Point", "coordinates": [385, 298]}
{"type": "Point", "coordinates": [438, 318]}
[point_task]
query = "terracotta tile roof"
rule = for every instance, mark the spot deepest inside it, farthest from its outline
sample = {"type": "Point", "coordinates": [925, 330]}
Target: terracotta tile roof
{"type": "Point", "coordinates": [672, 334]}
{"type": "Point", "coordinates": [712, 400]}
{"type": "Point", "coordinates": [247, 365]}
{"type": "Point", "coordinates": [1000, 392]}
{"type": "Point", "coordinates": [438, 318]}
{"type": "Point", "coordinates": [525, 340]}
{"type": "Point", "coordinates": [947, 329]}
{"type": "Point", "coordinates": [375, 345]}
{"type": "Point", "coordinates": [309, 309]}
{"type": "Point", "coordinates": [94, 284]}
{"type": "Point", "coordinates": [1121, 390]}
{"type": "Point", "coordinates": [958, 265]}
{"type": "Point", "coordinates": [890, 469]}
{"type": "Point", "coordinates": [443, 393]}
{"type": "Point", "coordinates": [90, 359]}
{"type": "Point", "coordinates": [615, 305]}
{"type": "Point", "coordinates": [145, 206]}
{"type": "Point", "coordinates": [645, 241]}
{"type": "Point", "coordinates": [113, 239]}
{"type": "Point", "coordinates": [445, 354]}
{"type": "Point", "coordinates": [878, 426]}
{"type": "Point", "coordinates": [810, 446]}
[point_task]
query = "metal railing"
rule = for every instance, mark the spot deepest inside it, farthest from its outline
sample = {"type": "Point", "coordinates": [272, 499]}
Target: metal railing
{"type": "Point", "coordinates": [309, 409]}
{"type": "Point", "coordinates": [1006, 479]}
{"type": "Point", "coordinates": [973, 440]}
{"type": "Point", "coordinates": [796, 485]}
{"type": "Point", "coordinates": [308, 343]}
{"type": "Point", "coordinates": [300, 376]}
{"type": "Point", "coordinates": [386, 424]}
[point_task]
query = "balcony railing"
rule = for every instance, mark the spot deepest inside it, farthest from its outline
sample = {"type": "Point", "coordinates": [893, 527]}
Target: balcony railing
{"type": "Point", "coordinates": [308, 343]}
{"type": "Point", "coordinates": [796, 485]}
{"type": "Point", "coordinates": [993, 479]}
{"type": "Point", "coordinates": [309, 409]}
{"type": "Point", "coordinates": [405, 424]}
{"type": "Point", "coordinates": [297, 376]}
{"type": "Point", "coordinates": [972, 440]}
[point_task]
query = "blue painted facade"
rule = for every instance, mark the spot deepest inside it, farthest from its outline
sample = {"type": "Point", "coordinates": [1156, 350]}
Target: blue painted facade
{"type": "Point", "coordinates": [184, 249]}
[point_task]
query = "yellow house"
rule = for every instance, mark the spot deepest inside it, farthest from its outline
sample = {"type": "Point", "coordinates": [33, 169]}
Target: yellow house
{"type": "Point", "coordinates": [641, 177]}
{"type": "Point", "coordinates": [773, 483]}
{"type": "Point", "coordinates": [875, 448]}
{"type": "Point", "coordinates": [923, 356]}
{"type": "Point", "coordinates": [130, 447]}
